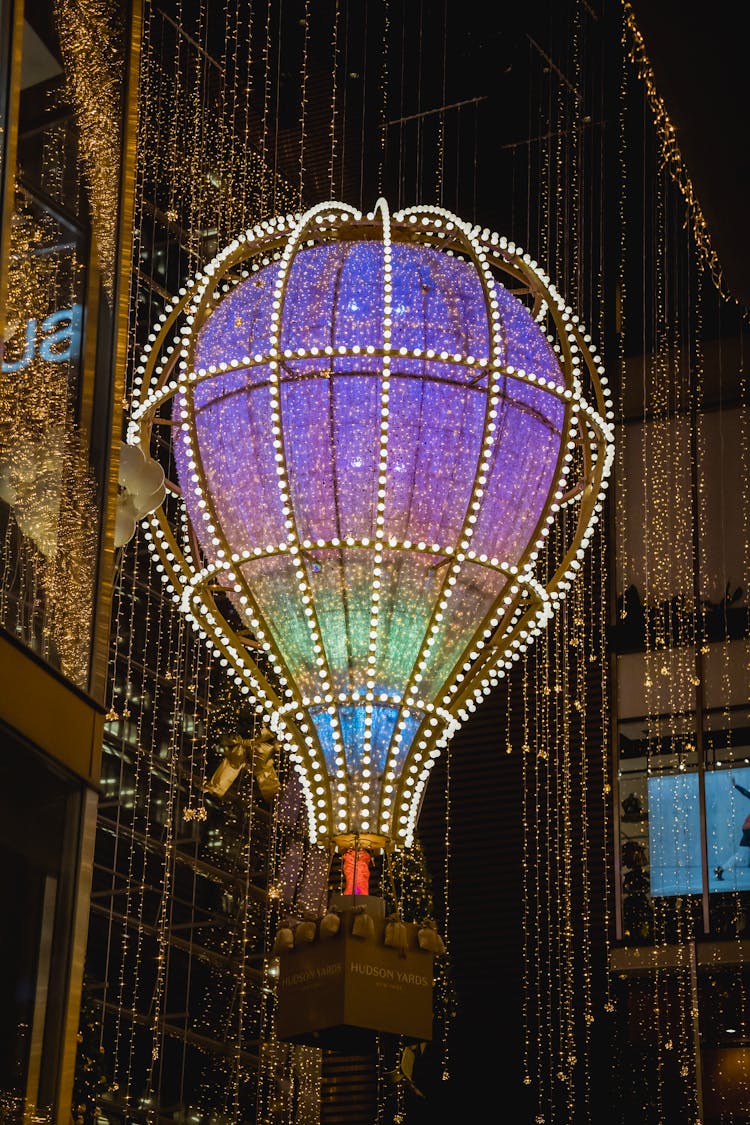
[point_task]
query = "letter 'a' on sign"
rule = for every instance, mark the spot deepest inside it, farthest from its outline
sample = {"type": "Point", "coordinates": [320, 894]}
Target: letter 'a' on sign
{"type": "Point", "coordinates": [391, 440]}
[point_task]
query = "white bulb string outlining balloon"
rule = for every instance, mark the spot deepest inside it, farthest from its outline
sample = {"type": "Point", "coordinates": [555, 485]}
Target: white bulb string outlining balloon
{"type": "Point", "coordinates": [380, 425]}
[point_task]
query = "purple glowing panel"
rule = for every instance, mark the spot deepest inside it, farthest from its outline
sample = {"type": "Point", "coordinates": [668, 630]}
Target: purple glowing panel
{"type": "Point", "coordinates": [331, 411]}
{"type": "Point", "coordinates": [238, 453]}
{"type": "Point", "coordinates": [523, 464]}
{"type": "Point", "coordinates": [331, 427]}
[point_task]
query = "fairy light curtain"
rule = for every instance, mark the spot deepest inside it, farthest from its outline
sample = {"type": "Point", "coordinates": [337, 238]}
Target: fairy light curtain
{"type": "Point", "coordinates": [557, 711]}
{"type": "Point", "coordinates": [158, 387]}
{"type": "Point", "coordinates": [209, 153]}
{"type": "Point", "coordinates": [681, 627]}
{"type": "Point", "coordinates": [66, 192]}
{"type": "Point", "coordinates": [176, 1003]}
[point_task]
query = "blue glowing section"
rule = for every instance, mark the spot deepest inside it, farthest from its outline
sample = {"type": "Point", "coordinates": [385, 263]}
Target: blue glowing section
{"type": "Point", "coordinates": [383, 725]}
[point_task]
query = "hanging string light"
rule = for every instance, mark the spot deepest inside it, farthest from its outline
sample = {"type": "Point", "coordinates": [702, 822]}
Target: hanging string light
{"type": "Point", "coordinates": [92, 50]}
{"type": "Point", "coordinates": [670, 150]}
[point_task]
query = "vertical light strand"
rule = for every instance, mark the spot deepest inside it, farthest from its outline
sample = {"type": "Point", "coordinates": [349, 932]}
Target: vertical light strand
{"type": "Point", "coordinates": [192, 812]}
{"type": "Point", "coordinates": [744, 473]}
{"type": "Point", "coordinates": [303, 105]}
{"type": "Point", "coordinates": [684, 629]}
{"type": "Point", "coordinates": [118, 623]}
{"type": "Point", "coordinates": [419, 139]}
{"type": "Point", "coordinates": [549, 839]}
{"type": "Point", "coordinates": [566, 965]}
{"type": "Point", "coordinates": [401, 174]}
{"type": "Point", "coordinates": [607, 559]}
{"type": "Point", "coordinates": [724, 585]}
{"type": "Point", "coordinates": [334, 95]}
{"type": "Point", "coordinates": [276, 107]}
{"type": "Point", "coordinates": [601, 646]}
{"type": "Point", "coordinates": [247, 152]}
{"type": "Point", "coordinates": [194, 154]}
{"type": "Point", "coordinates": [268, 1055]}
{"type": "Point", "coordinates": [117, 618]}
{"type": "Point", "coordinates": [623, 567]}
{"type": "Point", "coordinates": [528, 866]}
{"type": "Point", "coordinates": [542, 750]}
{"type": "Point", "coordinates": [658, 503]}
{"type": "Point", "coordinates": [188, 977]}
{"type": "Point", "coordinates": [673, 536]}
{"type": "Point", "coordinates": [265, 128]}
{"type": "Point", "coordinates": [627, 575]}
{"type": "Point", "coordinates": [241, 968]}
{"type": "Point", "coordinates": [143, 781]}
{"type": "Point", "coordinates": [342, 115]}
{"type": "Point", "coordinates": [559, 918]}
{"type": "Point", "coordinates": [384, 81]}
{"type": "Point", "coordinates": [744, 444]}
{"type": "Point", "coordinates": [162, 919]}
{"type": "Point", "coordinates": [363, 126]}
{"type": "Point", "coordinates": [580, 982]}
{"type": "Point", "coordinates": [539, 953]}
{"type": "Point", "coordinates": [447, 1002]}
{"type": "Point", "coordinates": [583, 1004]}
{"type": "Point", "coordinates": [129, 887]}
{"type": "Point", "coordinates": [440, 165]}
{"type": "Point", "coordinates": [206, 703]}
{"type": "Point", "coordinates": [7, 566]}
{"type": "Point", "coordinates": [230, 100]}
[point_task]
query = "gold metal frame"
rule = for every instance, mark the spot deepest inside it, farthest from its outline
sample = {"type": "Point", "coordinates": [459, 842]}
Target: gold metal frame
{"type": "Point", "coordinates": [584, 427]}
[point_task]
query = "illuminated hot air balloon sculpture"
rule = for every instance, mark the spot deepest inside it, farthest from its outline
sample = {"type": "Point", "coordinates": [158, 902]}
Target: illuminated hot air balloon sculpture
{"type": "Point", "coordinates": [391, 441]}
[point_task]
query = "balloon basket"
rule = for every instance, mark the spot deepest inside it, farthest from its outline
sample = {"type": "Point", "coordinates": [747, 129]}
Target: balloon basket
{"type": "Point", "coordinates": [339, 992]}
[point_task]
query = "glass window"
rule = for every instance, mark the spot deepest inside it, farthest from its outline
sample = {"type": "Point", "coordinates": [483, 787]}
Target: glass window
{"type": "Point", "coordinates": [38, 854]}
{"type": "Point", "coordinates": [60, 214]}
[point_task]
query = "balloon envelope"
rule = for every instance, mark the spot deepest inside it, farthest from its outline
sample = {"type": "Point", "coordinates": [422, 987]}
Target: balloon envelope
{"type": "Point", "coordinates": [391, 442]}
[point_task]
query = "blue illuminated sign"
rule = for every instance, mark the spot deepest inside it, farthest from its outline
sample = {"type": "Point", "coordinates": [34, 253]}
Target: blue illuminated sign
{"type": "Point", "coordinates": [56, 340]}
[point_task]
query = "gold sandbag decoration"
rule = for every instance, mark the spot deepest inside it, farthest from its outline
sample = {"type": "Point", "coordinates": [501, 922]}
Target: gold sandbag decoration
{"type": "Point", "coordinates": [330, 924]}
{"type": "Point", "coordinates": [362, 924]}
{"type": "Point", "coordinates": [396, 934]}
{"type": "Point", "coordinates": [429, 939]}
{"type": "Point", "coordinates": [305, 932]}
{"type": "Point", "coordinates": [284, 939]}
